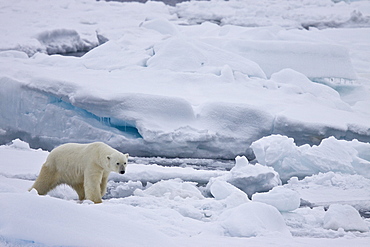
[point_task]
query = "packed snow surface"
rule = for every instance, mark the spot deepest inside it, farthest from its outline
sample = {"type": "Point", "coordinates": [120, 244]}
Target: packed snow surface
{"type": "Point", "coordinates": [202, 79]}
{"type": "Point", "coordinates": [180, 210]}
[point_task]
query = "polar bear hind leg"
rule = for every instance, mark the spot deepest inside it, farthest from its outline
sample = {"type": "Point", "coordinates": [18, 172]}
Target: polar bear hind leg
{"type": "Point", "coordinates": [46, 181]}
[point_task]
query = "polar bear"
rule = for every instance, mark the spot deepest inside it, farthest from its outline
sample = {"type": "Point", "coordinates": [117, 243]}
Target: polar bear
{"type": "Point", "coordinates": [84, 167]}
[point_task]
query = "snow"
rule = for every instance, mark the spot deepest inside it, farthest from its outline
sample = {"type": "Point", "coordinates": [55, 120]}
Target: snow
{"type": "Point", "coordinates": [46, 212]}
{"type": "Point", "coordinates": [345, 217]}
{"type": "Point", "coordinates": [186, 89]}
{"type": "Point", "coordinates": [253, 219]}
{"type": "Point", "coordinates": [174, 210]}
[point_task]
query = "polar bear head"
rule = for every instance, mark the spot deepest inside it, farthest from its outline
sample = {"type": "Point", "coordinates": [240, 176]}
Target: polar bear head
{"type": "Point", "coordinates": [118, 162]}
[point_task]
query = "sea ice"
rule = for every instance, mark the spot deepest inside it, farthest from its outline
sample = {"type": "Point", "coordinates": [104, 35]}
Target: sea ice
{"type": "Point", "coordinates": [258, 73]}
{"type": "Point", "coordinates": [216, 101]}
{"type": "Point", "coordinates": [173, 209]}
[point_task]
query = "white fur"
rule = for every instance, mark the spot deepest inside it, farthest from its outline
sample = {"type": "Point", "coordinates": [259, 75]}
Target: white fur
{"type": "Point", "coordinates": [84, 167]}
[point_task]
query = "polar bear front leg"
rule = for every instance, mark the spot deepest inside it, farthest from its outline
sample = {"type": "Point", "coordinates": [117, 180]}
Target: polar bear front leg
{"type": "Point", "coordinates": [79, 188]}
{"type": "Point", "coordinates": [103, 184]}
{"type": "Point", "coordinates": [92, 188]}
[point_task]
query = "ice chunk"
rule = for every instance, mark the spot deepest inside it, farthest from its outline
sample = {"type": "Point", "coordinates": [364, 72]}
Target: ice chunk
{"type": "Point", "coordinates": [62, 41]}
{"type": "Point", "coordinates": [344, 216]}
{"type": "Point", "coordinates": [283, 199]}
{"type": "Point", "coordinates": [172, 189]}
{"type": "Point", "coordinates": [253, 219]}
{"type": "Point", "coordinates": [231, 196]}
{"type": "Point", "coordinates": [122, 189]}
{"type": "Point", "coordinates": [281, 153]}
{"type": "Point", "coordinates": [250, 178]}
{"type": "Point", "coordinates": [19, 144]}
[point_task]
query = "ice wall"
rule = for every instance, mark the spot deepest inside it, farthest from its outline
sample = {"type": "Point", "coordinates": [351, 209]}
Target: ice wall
{"type": "Point", "coordinates": [148, 125]}
{"type": "Point", "coordinates": [46, 119]}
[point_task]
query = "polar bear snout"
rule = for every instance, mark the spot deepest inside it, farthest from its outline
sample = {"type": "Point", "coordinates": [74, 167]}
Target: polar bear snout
{"type": "Point", "coordinates": [122, 172]}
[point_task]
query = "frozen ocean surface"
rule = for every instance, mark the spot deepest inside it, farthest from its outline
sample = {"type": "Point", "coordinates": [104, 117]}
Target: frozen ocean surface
{"type": "Point", "coordinates": [247, 122]}
{"type": "Point", "coordinates": [164, 206]}
{"type": "Point", "coordinates": [155, 84]}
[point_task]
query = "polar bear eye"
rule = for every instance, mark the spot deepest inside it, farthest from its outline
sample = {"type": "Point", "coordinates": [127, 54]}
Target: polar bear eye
{"type": "Point", "coordinates": [117, 164]}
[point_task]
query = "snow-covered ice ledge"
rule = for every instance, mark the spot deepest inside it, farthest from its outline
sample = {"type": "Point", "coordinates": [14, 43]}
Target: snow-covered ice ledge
{"type": "Point", "coordinates": [49, 113]}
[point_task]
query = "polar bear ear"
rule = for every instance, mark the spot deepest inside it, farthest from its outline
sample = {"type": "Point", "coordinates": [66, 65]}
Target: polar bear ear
{"type": "Point", "coordinates": [126, 156]}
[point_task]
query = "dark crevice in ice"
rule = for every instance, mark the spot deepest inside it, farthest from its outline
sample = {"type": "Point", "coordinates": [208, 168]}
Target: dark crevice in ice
{"type": "Point", "coordinates": [68, 42]}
